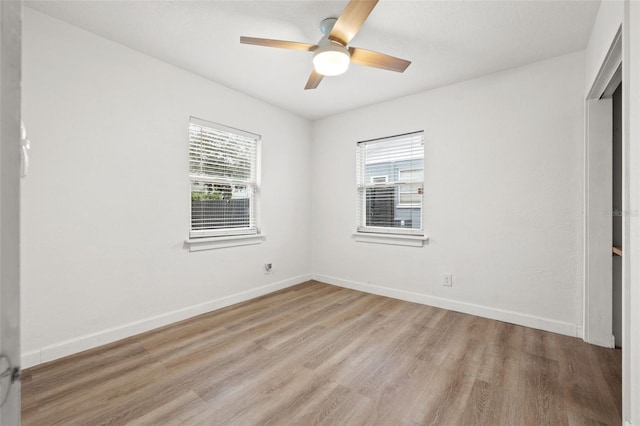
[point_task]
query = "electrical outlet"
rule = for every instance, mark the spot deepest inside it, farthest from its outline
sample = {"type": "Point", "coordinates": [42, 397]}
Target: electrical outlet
{"type": "Point", "coordinates": [268, 268]}
{"type": "Point", "coordinates": [447, 279]}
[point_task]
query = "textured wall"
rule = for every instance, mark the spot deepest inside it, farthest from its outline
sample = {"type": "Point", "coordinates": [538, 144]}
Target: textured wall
{"type": "Point", "coordinates": [105, 208]}
{"type": "Point", "coordinates": [503, 196]}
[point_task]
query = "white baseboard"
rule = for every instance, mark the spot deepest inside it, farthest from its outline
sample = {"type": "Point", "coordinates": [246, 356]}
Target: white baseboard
{"type": "Point", "coordinates": [89, 341]}
{"type": "Point", "coordinates": [82, 343]}
{"type": "Point", "coordinates": [512, 317]}
{"type": "Point", "coordinates": [30, 359]}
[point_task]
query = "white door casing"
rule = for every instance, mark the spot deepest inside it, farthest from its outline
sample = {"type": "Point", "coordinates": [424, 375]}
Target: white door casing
{"type": "Point", "coordinates": [598, 290]}
{"type": "Point", "coordinates": [10, 63]}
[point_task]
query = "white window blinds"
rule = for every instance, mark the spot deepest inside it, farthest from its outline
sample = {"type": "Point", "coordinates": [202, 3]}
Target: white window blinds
{"type": "Point", "coordinates": [222, 171]}
{"type": "Point", "coordinates": [390, 182]}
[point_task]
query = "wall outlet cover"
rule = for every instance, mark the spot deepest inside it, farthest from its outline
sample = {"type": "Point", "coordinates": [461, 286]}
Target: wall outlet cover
{"type": "Point", "coordinates": [447, 280]}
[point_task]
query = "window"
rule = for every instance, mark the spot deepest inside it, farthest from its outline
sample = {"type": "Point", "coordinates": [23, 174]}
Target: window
{"type": "Point", "coordinates": [390, 181]}
{"type": "Point", "coordinates": [222, 171]}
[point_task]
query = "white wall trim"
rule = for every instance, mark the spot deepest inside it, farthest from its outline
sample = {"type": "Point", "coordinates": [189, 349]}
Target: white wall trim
{"type": "Point", "coordinates": [211, 243]}
{"type": "Point", "coordinates": [598, 166]}
{"type": "Point", "coordinates": [608, 69]}
{"type": "Point", "coordinates": [89, 341]}
{"type": "Point", "coordinates": [597, 288]}
{"type": "Point", "coordinates": [392, 239]}
{"type": "Point", "coordinates": [512, 317]}
{"type": "Point", "coordinates": [631, 224]}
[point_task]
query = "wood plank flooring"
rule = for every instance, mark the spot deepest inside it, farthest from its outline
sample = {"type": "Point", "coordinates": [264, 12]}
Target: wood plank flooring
{"type": "Point", "coordinates": [319, 354]}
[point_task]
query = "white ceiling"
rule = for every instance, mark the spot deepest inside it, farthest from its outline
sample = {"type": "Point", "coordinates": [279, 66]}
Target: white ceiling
{"type": "Point", "coordinates": [447, 41]}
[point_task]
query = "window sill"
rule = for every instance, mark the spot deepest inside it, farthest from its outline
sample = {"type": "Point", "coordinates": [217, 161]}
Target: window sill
{"type": "Point", "coordinates": [392, 239]}
{"type": "Point", "coordinates": [211, 243]}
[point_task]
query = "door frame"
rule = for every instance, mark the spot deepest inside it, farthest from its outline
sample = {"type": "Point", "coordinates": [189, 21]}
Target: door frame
{"type": "Point", "coordinates": [10, 134]}
{"type": "Point", "coordinates": [598, 168]}
{"type": "Point", "coordinates": [631, 222]}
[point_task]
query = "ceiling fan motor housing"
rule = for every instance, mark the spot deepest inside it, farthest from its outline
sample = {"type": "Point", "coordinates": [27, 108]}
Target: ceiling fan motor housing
{"type": "Point", "coordinates": [327, 25]}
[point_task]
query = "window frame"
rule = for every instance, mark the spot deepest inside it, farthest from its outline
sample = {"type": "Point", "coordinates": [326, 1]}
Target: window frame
{"type": "Point", "coordinates": [252, 184]}
{"type": "Point", "coordinates": [362, 185]}
{"type": "Point", "coordinates": [402, 205]}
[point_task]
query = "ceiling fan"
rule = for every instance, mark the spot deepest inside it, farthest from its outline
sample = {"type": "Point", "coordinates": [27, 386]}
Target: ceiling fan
{"type": "Point", "coordinates": [331, 56]}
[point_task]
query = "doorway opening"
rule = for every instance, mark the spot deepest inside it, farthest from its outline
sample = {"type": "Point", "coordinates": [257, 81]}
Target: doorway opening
{"type": "Point", "coordinates": [605, 220]}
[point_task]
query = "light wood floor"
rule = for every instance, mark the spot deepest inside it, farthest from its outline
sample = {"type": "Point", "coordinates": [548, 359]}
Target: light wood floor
{"type": "Point", "coordinates": [318, 354]}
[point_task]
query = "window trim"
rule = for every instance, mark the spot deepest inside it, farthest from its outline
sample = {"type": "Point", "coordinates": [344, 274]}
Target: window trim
{"type": "Point", "coordinates": [211, 243]}
{"type": "Point", "coordinates": [391, 239]}
{"type": "Point", "coordinates": [381, 234]}
{"type": "Point", "coordinates": [227, 237]}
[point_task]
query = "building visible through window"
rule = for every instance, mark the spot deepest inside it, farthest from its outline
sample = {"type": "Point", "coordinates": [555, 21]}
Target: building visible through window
{"type": "Point", "coordinates": [390, 182]}
{"type": "Point", "coordinates": [222, 172]}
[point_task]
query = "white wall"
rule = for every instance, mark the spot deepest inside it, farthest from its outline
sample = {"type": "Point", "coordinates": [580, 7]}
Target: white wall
{"type": "Point", "coordinates": [105, 209]}
{"type": "Point", "coordinates": [503, 196]}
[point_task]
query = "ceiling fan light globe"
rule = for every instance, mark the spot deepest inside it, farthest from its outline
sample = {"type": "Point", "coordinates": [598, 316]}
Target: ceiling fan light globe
{"type": "Point", "coordinates": [331, 59]}
{"type": "Point", "coordinates": [331, 63]}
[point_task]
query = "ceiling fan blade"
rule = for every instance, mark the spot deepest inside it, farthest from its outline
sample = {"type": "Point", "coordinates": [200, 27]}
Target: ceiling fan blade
{"type": "Point", "coordinates": [377, 60]}
{"type": "Point", "coordinates": [314, 80]}
{"type": "Point", "coordinates": [283, 44]}
{"type": "Point", "coordinates": [351, 20]}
